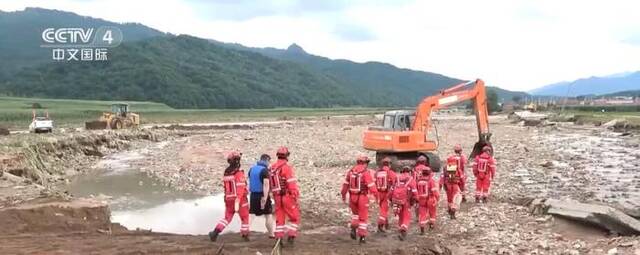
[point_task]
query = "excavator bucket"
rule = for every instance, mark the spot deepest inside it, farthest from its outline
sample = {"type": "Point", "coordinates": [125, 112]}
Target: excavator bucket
{"type": "Point", "coordinates": [477, 148]}
{"type": "Point", "coordinates": [94, 125]}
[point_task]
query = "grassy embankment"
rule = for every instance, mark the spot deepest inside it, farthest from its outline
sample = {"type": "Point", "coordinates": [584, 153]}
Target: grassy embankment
{"type": "Point", "coordinates": [595, 114]}
{"type": "Point", "coordinates": [15, 113]}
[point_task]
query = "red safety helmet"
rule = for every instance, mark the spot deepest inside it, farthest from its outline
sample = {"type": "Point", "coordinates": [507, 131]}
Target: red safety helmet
{"type": "Point", "coordinates": [282, 152]}
{"type": "Point", "coordinates": [422, 159]}
{"type": "Point", "coordinates": [386, 160]}
{"type": "Point", "coordinates": [457, 148]}
{"type": "Point", "coordinates": [233, 155]}
{"type": "Point", "coordinates": [362, 159]}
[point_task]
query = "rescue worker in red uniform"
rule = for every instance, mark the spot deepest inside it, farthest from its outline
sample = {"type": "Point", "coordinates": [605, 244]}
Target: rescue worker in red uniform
{"type": "Point", "coordinates": [385, 179]}
{"type": "Point", "coordinates": [284, 188]}
{"type": "Point", "coordinates": [403, 194]}
{"type": "Point", "coordinates": [452, 180]}
{"type": "Point", "coordinates": [484, 169]}
{"type": "Point", "coordinates": [358, 184]}
{"type": "Point", "coordinates": [462, 159]}
{"type": "Point", "coordinates": [235, 197]}
{"type": "Point", "coordinates": [428, 196]}
{"type": "Point", "coordinates": [421, 164]}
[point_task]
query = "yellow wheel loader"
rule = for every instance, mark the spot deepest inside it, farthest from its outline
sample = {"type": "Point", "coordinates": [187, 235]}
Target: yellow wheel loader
{"type": "Point", "coordinates": [118, 118]}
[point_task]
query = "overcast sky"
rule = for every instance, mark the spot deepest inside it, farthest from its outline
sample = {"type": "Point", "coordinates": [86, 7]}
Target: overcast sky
{"type": "Point", "coordinates": [513, 44]}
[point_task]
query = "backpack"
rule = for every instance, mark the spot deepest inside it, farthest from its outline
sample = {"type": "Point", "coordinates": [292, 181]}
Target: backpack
{"type": "Point", "coordinates": [382, 180]}
{"type": "Point", "coordinates": [422, 186]}
{"type": "Point", "coordinates": [277, 184]}
{"type": "Point", "coordinates": [482, 165]}
{"type": "Point", "coordinates": [452, 169]}
{"type": "Point", "coordinates": [401, 195]}
{"type": "Point", "coordinates": [355, 181]}
{"type": "Point", "coordinates": [229, 182]}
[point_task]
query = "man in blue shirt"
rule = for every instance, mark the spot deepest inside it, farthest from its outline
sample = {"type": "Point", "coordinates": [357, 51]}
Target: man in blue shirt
{"type": "Point", "coordinates": [260, 202]}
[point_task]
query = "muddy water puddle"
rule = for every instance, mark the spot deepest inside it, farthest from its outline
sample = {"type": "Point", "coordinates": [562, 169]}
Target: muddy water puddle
{"type": "Point", "coordinates": [139, 201]}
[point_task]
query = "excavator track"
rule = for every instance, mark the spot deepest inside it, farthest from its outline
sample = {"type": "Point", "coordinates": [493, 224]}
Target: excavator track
{"type": "Point", "coordinates": [400, 160]}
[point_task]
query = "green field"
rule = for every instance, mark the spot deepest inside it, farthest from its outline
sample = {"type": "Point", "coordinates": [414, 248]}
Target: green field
{"type": "Point", "coordinates": [15, 112]}
{"type": "Point", "coordinates": [633, 117]}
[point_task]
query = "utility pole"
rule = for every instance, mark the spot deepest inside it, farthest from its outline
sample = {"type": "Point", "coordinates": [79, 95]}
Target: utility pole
{"type": "Point", "coordinates": [566, 97]}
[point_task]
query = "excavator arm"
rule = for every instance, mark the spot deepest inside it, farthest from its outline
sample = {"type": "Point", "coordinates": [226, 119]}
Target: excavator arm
{"type": "Point", "coordinates": [459, 93]}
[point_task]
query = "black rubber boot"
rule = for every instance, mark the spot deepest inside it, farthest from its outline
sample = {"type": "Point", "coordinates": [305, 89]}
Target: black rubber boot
{"type": "Point", "coordinates": [381, 228]}
{"type": "Point", "coordinates": [485, 199]}
{"type": "Point", "coordinates": [386, 226]}
{"type": "Point", "coordinates": [431, 226]}
{"type": "Point", "coordinates": [464, 199]}
{"type": "Point", "coordinates": [213, 235]}
{"type": "Point", "coordinates": [453, 214]}
{"type": "Point", "coordinates": [291, 240]}
{"type": "Point", "coordinates": [477, 199]}
{"type": "Point", "coordinates": [353, 233]}
{"type": "Point", "coordinates": [362, 240]}
{"type": "Point", "coordinates": [421, 231]}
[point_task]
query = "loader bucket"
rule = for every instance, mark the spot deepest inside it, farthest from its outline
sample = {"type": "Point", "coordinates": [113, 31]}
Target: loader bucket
{"type": "Point", "coordinates": [94, 125]}
{"type": "Point", "coordinates": [477, 148]}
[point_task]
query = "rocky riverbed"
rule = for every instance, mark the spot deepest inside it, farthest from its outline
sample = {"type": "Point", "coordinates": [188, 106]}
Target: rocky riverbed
{"type": "Point", "coordinates": [560, 161]}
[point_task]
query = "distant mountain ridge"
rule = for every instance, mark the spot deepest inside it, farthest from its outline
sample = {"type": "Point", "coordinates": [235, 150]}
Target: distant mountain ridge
{"type": "Point", "coordinates": [626, 93]}
{"type": "Point", "coordinates": [189, 72]}
{"type": "Point", "coordinates": [592, 85]}
{"type": "Point", "coordinates": [372, 75]}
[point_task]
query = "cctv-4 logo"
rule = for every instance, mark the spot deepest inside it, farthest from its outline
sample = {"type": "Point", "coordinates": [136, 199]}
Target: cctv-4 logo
{"type": "Point", "coordinates": [81, 44]}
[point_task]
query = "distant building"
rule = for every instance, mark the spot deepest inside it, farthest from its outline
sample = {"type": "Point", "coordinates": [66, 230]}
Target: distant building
{"type": "Point", "coordinates": [620, 100]}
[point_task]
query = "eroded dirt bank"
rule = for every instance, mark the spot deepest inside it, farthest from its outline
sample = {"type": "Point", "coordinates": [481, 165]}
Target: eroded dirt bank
{"type": "Point", "coordinates": [532, 162]}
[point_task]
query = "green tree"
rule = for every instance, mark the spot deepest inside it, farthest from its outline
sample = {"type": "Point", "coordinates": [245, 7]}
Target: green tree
{"type": "Point", "coordinates": [492, 99]}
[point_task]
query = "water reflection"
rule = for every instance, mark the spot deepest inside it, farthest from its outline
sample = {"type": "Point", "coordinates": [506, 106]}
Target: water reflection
{"type": "Point", "coordinates": [196, 216]}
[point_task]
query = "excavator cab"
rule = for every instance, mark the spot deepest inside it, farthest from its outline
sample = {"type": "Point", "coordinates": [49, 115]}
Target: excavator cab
{"type": "Point", "coordinates": [398, 120]}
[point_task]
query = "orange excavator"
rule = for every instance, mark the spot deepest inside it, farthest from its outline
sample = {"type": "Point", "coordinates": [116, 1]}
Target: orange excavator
{"type": "Point", "coordinates": [404, 136]}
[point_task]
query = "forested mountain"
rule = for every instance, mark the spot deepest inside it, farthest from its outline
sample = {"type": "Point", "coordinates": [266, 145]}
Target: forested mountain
{"type": "Point", "coordinates": [184, 72]}
{"type": "Point", "coordinates": [21, 31]}
{"type": "Point", "coordinates": [189, 72]}
{"type": "Point", "coordinates": [404, 85]}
